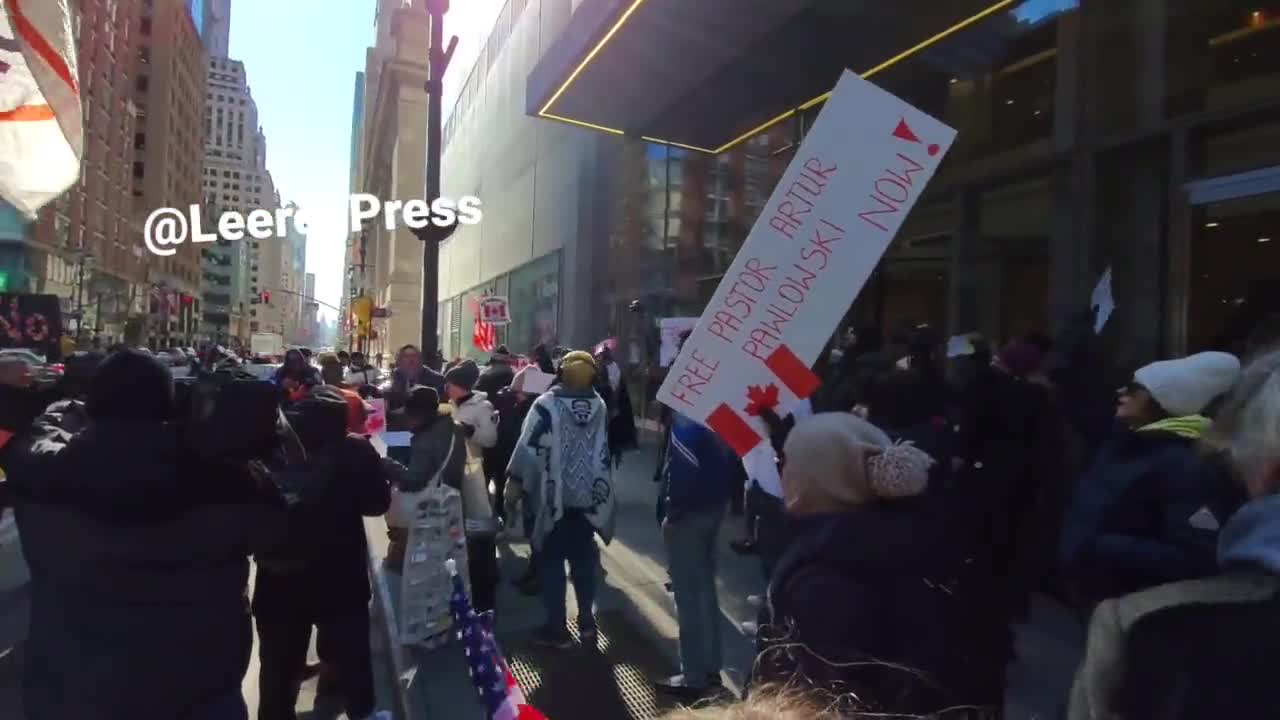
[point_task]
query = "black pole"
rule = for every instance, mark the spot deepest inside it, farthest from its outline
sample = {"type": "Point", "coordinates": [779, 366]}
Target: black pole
{"type": "Point", "coordinates": [438, 61]}
{"type": "Point", "coordinates": [80, 299]}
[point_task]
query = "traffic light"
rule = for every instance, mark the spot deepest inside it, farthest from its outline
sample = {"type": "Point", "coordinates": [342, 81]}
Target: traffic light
{"type": "Point", "coordinates": [266, 297]}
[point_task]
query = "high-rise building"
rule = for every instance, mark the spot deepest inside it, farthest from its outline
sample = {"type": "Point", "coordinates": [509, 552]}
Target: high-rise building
{"type": "Point", "coordinates": [236, 179]}
{"type": "Point", "coordinates": [85, 247]}
{"type": "Point", "coordinates": [169, 91]}
{"type": "Point", "coordinates": [217, 27]}
{"type": "Point", "coordinates": [393, 161]}
{"type": "Point", "coordinates": [310, 331]}
{"type": "Point", "coordinates": [353, 274]}
{"type": "Point", "coordinates": [293, 275]}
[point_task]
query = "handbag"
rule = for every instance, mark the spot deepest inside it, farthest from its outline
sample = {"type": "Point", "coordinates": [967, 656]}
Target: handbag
{"type": "Point", "coordinates": [434, 520]}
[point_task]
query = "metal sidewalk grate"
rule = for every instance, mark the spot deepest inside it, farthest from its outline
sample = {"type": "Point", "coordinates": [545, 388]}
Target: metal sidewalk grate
{"type": "Point", "coordinates": [608, 682]}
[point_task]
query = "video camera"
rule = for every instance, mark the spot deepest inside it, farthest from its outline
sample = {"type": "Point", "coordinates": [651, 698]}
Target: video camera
{"type": "Point", "coordinates": [228, 415]}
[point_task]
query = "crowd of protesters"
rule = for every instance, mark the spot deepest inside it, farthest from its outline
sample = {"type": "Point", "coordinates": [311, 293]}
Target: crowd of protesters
{"type": "Point", "coordinates": [902, 516]}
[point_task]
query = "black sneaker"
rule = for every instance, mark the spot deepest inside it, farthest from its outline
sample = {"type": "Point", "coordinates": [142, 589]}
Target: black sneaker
{"type": "Point", "coordinates": [554, 638]}
{"type": "Point", "coordinates": [682, 688]}
{"type": "Point", "coordinates": [743, 547]}
{"type": "Point", "coordinates": [589, 635]}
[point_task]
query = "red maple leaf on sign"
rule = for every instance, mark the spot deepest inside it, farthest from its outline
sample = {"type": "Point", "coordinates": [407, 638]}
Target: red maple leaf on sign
{"type": "Point", "coordinates": [761, 399]}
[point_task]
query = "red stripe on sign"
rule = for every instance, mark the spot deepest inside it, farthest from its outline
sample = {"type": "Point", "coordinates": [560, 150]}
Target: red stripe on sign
{"type": "Point", "coordinates": [740, 436]}
{"type": "Point", "coordinates": [793, 372]}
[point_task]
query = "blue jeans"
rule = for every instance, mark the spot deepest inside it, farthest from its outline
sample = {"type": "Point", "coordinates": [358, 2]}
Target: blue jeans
{"type": "Point", "coordinates": [691, 558]}
{"type": "Point", "coordinates": [572, 540]}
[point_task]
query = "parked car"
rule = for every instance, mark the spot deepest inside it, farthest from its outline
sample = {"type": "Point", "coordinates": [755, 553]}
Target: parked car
{"type": "Point", "coordinates": [46, 373]}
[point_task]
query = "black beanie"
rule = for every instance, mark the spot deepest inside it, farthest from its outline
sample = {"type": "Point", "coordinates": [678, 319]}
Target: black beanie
{"type": "Point", "coordinates": [131, 385]}
{"type": "Point", "coordinates": [464, 375]}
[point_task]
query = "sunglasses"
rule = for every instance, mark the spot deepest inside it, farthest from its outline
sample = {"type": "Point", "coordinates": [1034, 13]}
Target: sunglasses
{"type": "Point", "coordinates": [1133, 387]}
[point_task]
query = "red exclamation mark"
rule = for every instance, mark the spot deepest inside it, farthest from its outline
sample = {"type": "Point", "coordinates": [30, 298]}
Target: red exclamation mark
{"type": "Point", "coordinates": [904, 132]}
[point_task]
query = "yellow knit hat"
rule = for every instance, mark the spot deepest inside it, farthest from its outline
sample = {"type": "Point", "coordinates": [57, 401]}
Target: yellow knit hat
{"type": "Point", "coordinates": [578, 370]}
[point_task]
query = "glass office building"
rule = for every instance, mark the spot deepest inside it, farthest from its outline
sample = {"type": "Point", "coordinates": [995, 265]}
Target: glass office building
{"type": "Point", "coordinates": [1140, 135]}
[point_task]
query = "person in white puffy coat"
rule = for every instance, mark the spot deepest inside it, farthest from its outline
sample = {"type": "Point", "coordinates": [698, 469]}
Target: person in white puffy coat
{"type": "Point", "coordinates": [473, 411]}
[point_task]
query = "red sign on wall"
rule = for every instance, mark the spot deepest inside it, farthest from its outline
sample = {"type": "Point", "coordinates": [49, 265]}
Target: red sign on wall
{"type": "Point", "coordinates": [494, 310]}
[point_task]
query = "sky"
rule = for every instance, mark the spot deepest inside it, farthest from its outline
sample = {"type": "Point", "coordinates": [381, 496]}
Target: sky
{"type": "Point", "coordinates": [301, 58]}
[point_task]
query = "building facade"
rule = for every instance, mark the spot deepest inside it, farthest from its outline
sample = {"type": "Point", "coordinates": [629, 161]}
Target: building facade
{"type": "Point", "coordinates": [352, 271]}
{"type": "Point", "coordinates": [216, 27]}
{"type": "Point", "coordinates": [547, 191]}
{"type": "Point", "coordinates": [235, 179]}
{"type": "Point", "coordinates": [169, 91]}
{"type": "Point", "coordinates": [393, 167]}
{"type": "Point", "coordinates": [1135, 135]}
{"type": "Point", "coordinates": [85, 247]}
{"type": "Point", "coordinates": [309, 332]}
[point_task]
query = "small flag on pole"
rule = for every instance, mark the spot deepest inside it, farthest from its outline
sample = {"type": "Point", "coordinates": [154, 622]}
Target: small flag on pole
{"type": "Point", "coordinates": [41, 124]}
{"type": "Point", "coordinates": [503, 699]}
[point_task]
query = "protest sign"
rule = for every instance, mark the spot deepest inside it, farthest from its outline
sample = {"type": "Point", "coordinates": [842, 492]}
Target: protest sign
{"type": "Point", "coordinates": [853, 180]}
{"type": "Point", "coordinates": [1102, 301]}
{"type": "Point", "coordinates": [376, 422]}
{"type": "Point", "coordinates": [669, 329]}
{"type": "Point", "coordinates": [495, 311]}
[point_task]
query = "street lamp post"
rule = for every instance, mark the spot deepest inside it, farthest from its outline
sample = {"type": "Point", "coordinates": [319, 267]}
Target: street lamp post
{"type": "Point", "coordinates": [431, 235]}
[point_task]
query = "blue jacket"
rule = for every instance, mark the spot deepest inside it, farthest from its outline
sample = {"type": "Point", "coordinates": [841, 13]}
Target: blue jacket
{"type": "Point", "coordinates": [1130, 525]}
{"type": "Point", "coordinates": [697, 468]}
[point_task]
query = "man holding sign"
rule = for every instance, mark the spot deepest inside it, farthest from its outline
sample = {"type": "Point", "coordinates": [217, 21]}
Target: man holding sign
{"type": "Point", "coordinates": [853, 181]}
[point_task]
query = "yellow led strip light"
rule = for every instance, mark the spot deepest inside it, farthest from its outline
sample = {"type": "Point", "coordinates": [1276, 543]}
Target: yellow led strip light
{"type": "Point", "coordinates": [545, 111]}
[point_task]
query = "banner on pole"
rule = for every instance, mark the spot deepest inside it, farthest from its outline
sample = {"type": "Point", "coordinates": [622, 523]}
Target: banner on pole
{"type": "Point", "coordinates": [852, 182]}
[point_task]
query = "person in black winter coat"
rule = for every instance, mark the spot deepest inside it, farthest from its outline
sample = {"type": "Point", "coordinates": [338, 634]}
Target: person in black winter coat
{"type": "Point", "coordinates": [139, 558]}
{"type": "Point", "coordinates": [328, 585]}
{"type": "Point", "coordinates": [498, 374]}
{"type": "Point", "coordinates": [857, 616]}
{"type": "Point", "coordinates": [1146, 513]}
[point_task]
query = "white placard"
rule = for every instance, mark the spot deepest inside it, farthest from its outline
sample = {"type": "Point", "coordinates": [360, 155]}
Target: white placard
{"type": "Point", "coordinates": [853, 180]}
{"type": "Point", "coordinates": [399, 438]}
{"type": "Point", "coordinates": [669, 329]}
{"type": "Point", "coordinates": [960, 346]}
{"type": "Point", "coordinates": [1103, 302]}
{"type": "Point", "coordinates": [495, 310]}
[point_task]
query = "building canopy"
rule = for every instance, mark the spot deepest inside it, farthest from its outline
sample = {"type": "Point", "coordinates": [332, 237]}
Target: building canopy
{"type": "Point", "coordinates": [707, 74]}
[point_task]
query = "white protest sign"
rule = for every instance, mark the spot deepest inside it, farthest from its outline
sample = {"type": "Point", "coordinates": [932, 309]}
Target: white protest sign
{"type": "Point", "coordinates": [669, 329]}
{"type": "Point", "coordinates": [376, 421]}
{"type": "Point", "coordinates": [495, 310]}
{"type": "Point", "coordinates": [1102, 301]}
{"type": "Point", "coordinates": [848, 189]}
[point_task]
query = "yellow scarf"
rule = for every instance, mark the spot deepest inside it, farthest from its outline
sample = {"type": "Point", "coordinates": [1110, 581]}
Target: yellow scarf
{"type": "Point", "coordinates": [1191, 427]}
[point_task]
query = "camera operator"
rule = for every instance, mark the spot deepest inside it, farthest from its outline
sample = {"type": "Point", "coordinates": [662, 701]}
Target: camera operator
{"type": "Point", "coordinates": [319, 576]}
{"type": "Point", "coordinates": [139, 554]}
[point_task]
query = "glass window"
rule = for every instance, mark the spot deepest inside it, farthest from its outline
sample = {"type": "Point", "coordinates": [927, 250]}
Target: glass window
{"type": "Point", "coordinates": [1221, 54]}
{"type": "Point", "coordinates": [1234, 301]}
{"type": "Point", "coordinates": [534, 298]}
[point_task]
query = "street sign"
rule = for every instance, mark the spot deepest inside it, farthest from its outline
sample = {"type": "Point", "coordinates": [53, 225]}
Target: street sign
{"type": "Point", "coordinates": [851, 183]}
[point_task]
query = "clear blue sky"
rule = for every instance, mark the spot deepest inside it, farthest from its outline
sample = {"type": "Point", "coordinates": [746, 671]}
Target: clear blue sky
{"type": "Point", "coordinates": [301, 57]}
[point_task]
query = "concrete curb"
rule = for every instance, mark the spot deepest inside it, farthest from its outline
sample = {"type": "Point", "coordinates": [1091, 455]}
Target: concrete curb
{"type": "Point", "coordinates": [404, 708]}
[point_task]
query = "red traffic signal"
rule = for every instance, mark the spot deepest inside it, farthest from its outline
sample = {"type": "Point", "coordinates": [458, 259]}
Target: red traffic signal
{"type": "Point", "coordinates": [266, 296]}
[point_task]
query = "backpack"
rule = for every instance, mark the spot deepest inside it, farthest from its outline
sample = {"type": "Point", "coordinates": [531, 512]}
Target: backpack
{"type": "Point", "coordinates": [305, 488]}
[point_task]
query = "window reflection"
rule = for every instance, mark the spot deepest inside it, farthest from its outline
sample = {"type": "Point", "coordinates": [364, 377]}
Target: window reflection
{"type": "Point", "coordinates": [1235, 275]}
{"type": "Point", "coordinates": [1222, 54]}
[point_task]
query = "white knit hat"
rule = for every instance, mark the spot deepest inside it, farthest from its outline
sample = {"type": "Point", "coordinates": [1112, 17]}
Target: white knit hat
{"type": "Point", "coordinates": [1187, 385]}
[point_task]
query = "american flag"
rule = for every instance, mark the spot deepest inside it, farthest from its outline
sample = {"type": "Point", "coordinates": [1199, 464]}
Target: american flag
{"type": "Point", "coordinates": [490, 673]}
{"type": "Point", "coordinates": [485, 335]}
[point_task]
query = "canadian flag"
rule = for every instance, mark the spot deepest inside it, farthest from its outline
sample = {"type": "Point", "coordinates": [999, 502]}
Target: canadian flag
{"type": "Point", "coordinates": [792, 372]}
{"type": "Point", "coordinates": [41, 128]}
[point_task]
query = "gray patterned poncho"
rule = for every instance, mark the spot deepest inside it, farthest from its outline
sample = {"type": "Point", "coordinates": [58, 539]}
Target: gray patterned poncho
{"type": "Point", "coordinates": [563, 460]}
